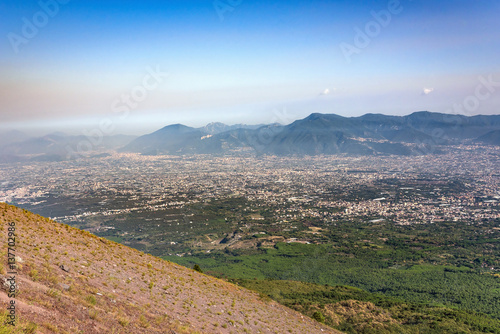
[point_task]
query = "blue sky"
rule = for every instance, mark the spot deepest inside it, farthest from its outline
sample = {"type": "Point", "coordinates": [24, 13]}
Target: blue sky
{"type": "Point", "coordinates": [242, 62]}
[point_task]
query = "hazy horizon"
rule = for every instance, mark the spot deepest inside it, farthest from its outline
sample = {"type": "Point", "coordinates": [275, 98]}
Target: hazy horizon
{"type": "Point", "coordinates": [68, 65]}
{"type": "Point", "coordinates": [79, 130]}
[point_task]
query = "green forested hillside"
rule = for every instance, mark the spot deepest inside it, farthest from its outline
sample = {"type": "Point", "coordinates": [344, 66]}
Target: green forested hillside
{"type": "Point", "coordinates": [356, 311]}
{"type": "Point", "coordinates": [444, 273]}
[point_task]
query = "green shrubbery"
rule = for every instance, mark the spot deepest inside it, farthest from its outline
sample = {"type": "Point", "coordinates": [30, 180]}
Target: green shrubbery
{"type": "Point", "coordinates": [20, 328]}
{"type": "Point", "coordinates": [313, 299]}
{"type": "Point", "coordinates": [318, 316]}
{"type": "Point", "coordinates": [446, 263]}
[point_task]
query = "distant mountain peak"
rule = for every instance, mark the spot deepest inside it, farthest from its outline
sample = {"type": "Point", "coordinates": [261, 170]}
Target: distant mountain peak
{"type": "Point", "coordinates": [176, 127]}
{"type": "Point", "coordinates": [314, 115]}
{"type": "Point", "coordinates": [319, 116]}
{"type": "Point", "coordinates": [324, 134]}
{"type": "Point", "coordinates": [216, 124]}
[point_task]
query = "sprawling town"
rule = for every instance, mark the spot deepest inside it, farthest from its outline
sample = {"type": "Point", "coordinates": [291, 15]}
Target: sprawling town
{"type": "Point", "coordinates": [175, 202]}
{"type": "Point", "coordinates": [420, 229]}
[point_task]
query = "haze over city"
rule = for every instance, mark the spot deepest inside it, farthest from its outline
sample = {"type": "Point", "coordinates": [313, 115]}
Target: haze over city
{"type": "Point", "coordinates": [68, 65]}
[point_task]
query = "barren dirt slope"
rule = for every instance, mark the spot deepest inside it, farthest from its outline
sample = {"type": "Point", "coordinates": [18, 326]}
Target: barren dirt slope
{"type": "Point", "coordinates": [70, 281]}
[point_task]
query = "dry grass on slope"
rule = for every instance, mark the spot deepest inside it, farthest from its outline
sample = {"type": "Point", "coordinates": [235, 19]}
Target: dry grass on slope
{"type": "Point", "coordinates": [71, 281]}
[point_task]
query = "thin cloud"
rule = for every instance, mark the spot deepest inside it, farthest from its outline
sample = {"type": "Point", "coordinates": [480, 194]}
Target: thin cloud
{"type": "Point", "coordinates": [327, 91]}
{"type": "Point", "coordinates": [427, 91]}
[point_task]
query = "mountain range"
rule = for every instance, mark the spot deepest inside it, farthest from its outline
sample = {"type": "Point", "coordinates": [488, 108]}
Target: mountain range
{"type": "Point", "coordinates": [371, 134]}
{"type": "Point", "coordinates": [57, 146]}
{"type": "Point", "coordinates": [415, 134]}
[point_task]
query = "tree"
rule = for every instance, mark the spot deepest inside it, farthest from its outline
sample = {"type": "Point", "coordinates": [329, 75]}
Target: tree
{"type": "Point", "coordinates": [318, 316]}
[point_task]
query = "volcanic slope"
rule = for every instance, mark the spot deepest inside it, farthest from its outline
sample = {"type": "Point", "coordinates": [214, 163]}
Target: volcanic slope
{"type": "Point", "coordinates": [70, 281]}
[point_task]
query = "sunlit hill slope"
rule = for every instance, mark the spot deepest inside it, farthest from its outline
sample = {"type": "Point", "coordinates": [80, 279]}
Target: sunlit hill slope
{"type": "Point", "coordinates": [69, 281]}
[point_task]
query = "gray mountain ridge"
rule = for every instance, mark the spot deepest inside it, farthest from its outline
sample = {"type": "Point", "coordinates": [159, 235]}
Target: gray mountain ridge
{"type": "Point", "coordinates": [54, 147]}
{"type": "Point", "coordinates": [419, 133]}
{"type": "Point", "coordinates": [415, 134]}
